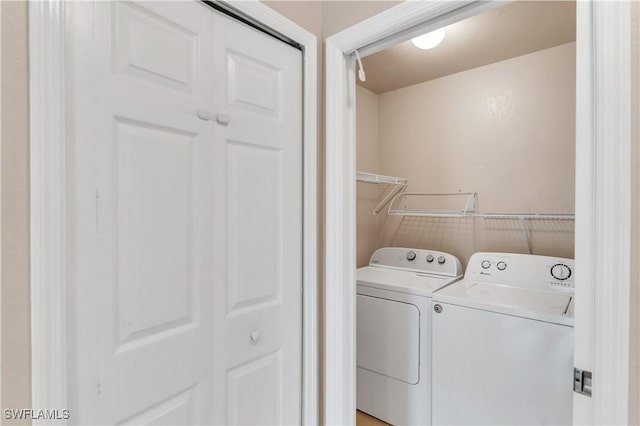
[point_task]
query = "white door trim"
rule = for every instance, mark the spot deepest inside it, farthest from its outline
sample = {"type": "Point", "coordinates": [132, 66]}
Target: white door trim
{"type": "Point", "coordinates": [603, 209]}
{"type": "Point", "coordinates": [48, 36]}
{"type": "Point", "coordinates": [602, 203]}
{"type": "Point", "coordinates": [48, 197]}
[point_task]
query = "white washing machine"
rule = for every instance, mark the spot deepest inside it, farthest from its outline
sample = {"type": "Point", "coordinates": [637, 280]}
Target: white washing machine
{"type": "Point", "coordinates": [503, 343]}
{"type": "Point", "coordinates": [394, 331]}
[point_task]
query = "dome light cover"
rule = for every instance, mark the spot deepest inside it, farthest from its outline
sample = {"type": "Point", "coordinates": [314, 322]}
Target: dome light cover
{"type": "Point", "coordinates": [429, 40]}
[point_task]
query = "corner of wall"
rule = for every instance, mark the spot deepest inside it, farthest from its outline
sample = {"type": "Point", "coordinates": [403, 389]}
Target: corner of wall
{"type": "Point", "coordinates": [15, 310]}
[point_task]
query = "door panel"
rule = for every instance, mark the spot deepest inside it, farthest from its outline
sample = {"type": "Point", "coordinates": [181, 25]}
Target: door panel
{"type": "Point", "coordinates": [185, 283]}
{"type": "Point", "coordinates": [254, 392]}
{"type": "Point", "coordinates": [141, 290]}
{"type": "Point", "coordinates": [142, 33]}
{"type": "Point", "coordinates": [388, 338]}
{"type": "Point", "coordinates": [254, 85]}
{"type": "Point", "coordinates": [261, 258]}
{"type": "Point", "coordinates": [508, 370]}
{"type": "Point", "coordinates": [254, 206]}
{"type": "Point", "coordinates": [175, 410]}
{"type": "Point", "coordinates": [155, 289]}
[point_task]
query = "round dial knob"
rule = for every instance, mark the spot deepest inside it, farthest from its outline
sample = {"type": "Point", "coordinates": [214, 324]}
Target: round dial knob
{"type": "Point", "coordinates": [501, 266]}
{"type": "Point", "coordinates": [485, 264]}
{"type": "Point", "coordinates": [430, 258]}
{"type": "Point", "coordinates": [441, 260]}
{"type": "Point", "coordinates": [560, 271]}
{"type": "Point", "coordinates": [411, 256]}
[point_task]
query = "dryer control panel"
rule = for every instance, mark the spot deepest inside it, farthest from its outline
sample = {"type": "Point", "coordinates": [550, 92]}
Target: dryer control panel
{"type": "Point", "coordinates": [522, 270]}
{"type": "Point", "coordinates": [417, 260]}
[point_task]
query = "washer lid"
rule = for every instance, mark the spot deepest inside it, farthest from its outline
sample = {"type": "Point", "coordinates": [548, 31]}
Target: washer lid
{"type": "Point", "coordinates": [417, 283]}
{"type": "Point", "coordinates": [523, 302]}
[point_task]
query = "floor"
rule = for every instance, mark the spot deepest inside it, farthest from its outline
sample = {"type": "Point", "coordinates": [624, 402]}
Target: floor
{"type": "Point", "coordinates": [363, 419]}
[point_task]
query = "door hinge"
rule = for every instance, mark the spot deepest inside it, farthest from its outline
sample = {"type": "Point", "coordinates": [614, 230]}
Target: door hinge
{"type": "Point", "coordinates": [582, 381]}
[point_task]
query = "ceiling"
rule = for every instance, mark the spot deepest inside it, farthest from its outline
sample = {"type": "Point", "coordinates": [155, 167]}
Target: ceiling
{"type": "Point", "coordinates": [508, 31]}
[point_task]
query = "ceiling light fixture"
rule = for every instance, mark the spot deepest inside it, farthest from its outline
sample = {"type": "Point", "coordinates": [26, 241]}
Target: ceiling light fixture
{"type": "Point", "coordinates": [429, 40]}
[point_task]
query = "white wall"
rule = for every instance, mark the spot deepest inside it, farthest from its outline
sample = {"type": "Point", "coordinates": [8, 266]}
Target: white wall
{"type": "Point", "coordinates": [634, 356]}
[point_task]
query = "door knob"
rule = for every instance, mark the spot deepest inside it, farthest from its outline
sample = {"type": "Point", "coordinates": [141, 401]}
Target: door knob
{"type": "Point", "coordinates": [255, 336]}
{"type": "Point", "coordinates": [223, 119]}
{"type": "Point", "coordinates": [204, 114]}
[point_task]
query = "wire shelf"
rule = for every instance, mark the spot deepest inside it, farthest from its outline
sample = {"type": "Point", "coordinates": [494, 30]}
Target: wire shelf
{"type": "Point", "coordinates": [374, 178]}
{"type": "Point", "coordinates": [403, 204]}
{"type": "Point", "coordinates": [394, 186]}
{"type": "Point", "coordinates": [528, 216]}
{"type": "Point", "coordinates": [406, 203]}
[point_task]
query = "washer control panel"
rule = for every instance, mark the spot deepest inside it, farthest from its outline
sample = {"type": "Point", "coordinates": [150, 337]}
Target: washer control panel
{"type": "Point", "coordinates": [561, 272]}
{"type": "Point", "coordinates": [523, 270]}
{"type": "Point", "coordinates": [417, 260]}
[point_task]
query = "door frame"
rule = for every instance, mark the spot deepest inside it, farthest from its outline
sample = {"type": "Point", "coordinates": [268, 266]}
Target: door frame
{"type": "Point", "coordinates": [49, 35]}
{"type": "Point", "coordinates": [602, 197]}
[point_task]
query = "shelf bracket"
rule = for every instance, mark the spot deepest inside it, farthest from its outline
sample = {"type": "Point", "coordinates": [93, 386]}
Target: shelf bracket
{"type": "Point", "coordinates": [396, 186]}
{"type": "Point", "coordinates": [525, 229]}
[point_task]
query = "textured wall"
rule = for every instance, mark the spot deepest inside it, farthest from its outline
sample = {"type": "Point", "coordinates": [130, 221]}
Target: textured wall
{"type": "Point", "coordinates": [367, 148]}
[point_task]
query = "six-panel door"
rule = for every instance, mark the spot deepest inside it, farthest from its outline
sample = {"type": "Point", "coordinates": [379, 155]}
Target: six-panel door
{"type": "Point", "coordinates": [186, 285]}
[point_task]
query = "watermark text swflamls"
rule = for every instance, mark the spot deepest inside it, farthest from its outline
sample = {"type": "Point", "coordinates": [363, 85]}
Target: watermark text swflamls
{"type": "Point", "coordinates": [31, 414]}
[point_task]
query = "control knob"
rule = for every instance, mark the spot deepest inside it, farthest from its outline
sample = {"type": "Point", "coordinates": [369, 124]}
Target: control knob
{"type": "Point", "coordinates": [411, 256]}
{"type": "Point", "coordinates": [501, 266]}
{"type": "Point", "coordinates": [441, 260]}
{"type": "Point", "coordinates": [560, 271]}
{"type": "Point", "coordinates": [485, 264]}
{"type": "Point", "coordinates": [430, 258]}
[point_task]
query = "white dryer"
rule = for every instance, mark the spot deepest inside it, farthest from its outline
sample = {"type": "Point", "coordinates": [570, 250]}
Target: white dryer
{"type": "Point", "coordinates": [503, 342]}
{"type": "Point", "coordinates": [394, 331]}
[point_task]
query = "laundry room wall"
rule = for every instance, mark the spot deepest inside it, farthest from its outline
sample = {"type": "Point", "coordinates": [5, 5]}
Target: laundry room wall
{"type": "Point", "coordinates": [504, 130]}
{"type": "Point", "coordinates": [367, 160]}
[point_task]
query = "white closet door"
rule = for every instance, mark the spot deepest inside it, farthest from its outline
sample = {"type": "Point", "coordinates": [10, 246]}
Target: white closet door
{"type": "Point", "coordinates": [181, 226]}
{"type": "Point", "coordinates": [258, 87]}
